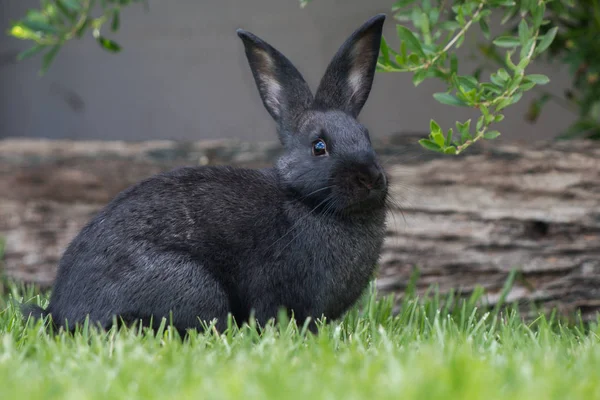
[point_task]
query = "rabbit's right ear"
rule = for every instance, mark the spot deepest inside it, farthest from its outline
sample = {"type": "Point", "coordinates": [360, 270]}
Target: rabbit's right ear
{"type": "Point", "coordinates": [347, 81]}
{"type": "Point", "coordinates": [282, 88]}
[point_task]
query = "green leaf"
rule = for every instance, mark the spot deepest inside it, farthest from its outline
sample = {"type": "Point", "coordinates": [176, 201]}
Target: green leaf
{"type": "Point", "coordinates": [538, 14]}
{"type": "Point", "coordinates": [385, 50]}
{"type": "Point", "coordinates": [401, 4]}
{"type": "Point", "coordinates": [434, 15]}
{"type": "Point", "coordinates": [419, 77]}
{"type": "Point", "coordinates": [403, 52]}
{"type": "Point", "coordinates": [449, 99]}
{"type": "Point", "coordinates": [526, 50]}
{"type": "Point", "coordinates": [484, 110]}
{"type": "Point", "coordinates": [438, 138]}
{"type": "Point", "coordinates": [491, 135]}
{"type": "Point", "coordinates": [449, 137]}
{"type": "Point", "coordinates": [509, 14]}
{"type": "Point", "coordinates": [401, 62]}
{"type": "Point", "coordinates": [503, 75]}
{"type": "Point", "coordinates": [520, 68]}
{"type": "Point", "coordinates": [492, 88]}
{"type": "Point", "coordinates": [526, 5]}
{"type": "Point", "coordinates": [429, 145]}
{"type": "Point", "coordinates": [514, 83]}
{"type": "Point", "coordinates": [410, 39]}
{"type": "Point", "coordinates": [503, 104]}
{"type": "Point", "coordinates": [453, 63]}
{"type": "Point", "coordinates": [503, 3]}
{"type": "Point", "coordinates": [467, 83]}
{"type": "Point", "coordinates": [470, 96]}
{"type": "Point", "coordinates": [48, 58]}
{"type": "Point", "coordinates": [413, 59]}
{"type": "Point", "coordinates": [81, 30]}
{"type": "Point", "coordinates": [460, 16]}
{"type": "Point", "coordinates": [450, 26]}
{"type": "Point", "coordinates": [39, 26]}
{"type": "Point", "coordinates": [538, 79]}
{"type": "Point", "coordinates": [450, 150]}
{"type": "Point", "coordinates": [479, 124]}
{"type": "Point", "coordinates": [523, 32]}
{"type": "Point", "coordinates": [485, 28]}
{"type": "Point", "coordinates": [434, 127]}
{"type": "Point", "coordinates": [547, 40]}
{"type": "Point", "coordinates": [66, 10]}
{"type": "Point", "coordinates": [19, 31]}
{"type": "Point", "coordinates": [516, 97]}
{"type": "Point", "coordinates": [32, 51]}
{"type": "Point", "coordinates": [116, 21]}
{"type": "Point", "coordinates": [506, 41]}
{"type": "Point", "coordinates": [464, 130]}
{"type": "Point", "coordinates": [108, 44]}
{"type": "Point", "coordinates": [71, 4]}
{"type": "Point", "coordinates": [508, 61]}
{"type": "Point", "coordinates": [497, 80]}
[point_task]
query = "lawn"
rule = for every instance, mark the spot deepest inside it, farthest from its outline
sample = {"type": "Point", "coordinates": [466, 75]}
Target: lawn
{"type": "Point", "coordinates": [431, 348]}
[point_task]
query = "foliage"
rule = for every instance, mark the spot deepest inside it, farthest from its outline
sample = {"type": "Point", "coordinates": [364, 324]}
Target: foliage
{"type": "Point", "coordinates": [58, 21]}
{"type": "Point", "coordinates": [428, 51]}
{"type": "Point", "coordinates": [433, 348]}
{"type": "Point", "coordinates": [577, 46]}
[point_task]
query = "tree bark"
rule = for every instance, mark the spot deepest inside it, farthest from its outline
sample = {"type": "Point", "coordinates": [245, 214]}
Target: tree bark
{"type": "Point", "coordinates": [462, 221]}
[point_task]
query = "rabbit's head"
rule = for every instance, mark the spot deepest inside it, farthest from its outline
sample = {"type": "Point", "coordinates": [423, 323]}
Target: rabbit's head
{"type": "Point", "coordinates": [328, 159]}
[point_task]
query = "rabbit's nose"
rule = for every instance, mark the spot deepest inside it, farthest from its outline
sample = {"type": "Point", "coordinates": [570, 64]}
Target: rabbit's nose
{"type": "Point", "coordinates": [374, 178]}
{"type": "Point", "coordinates": [379, 180]}
{"type": "Point", "coordinates": [365, 181]}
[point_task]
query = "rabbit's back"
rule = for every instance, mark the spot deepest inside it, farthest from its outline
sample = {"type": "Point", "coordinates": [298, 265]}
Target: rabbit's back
{"type": "Point", "coordinates": [168, 244]}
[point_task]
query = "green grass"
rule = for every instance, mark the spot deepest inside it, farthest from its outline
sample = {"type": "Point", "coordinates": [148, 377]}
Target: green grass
{"type": "Point", "coordinates": [430, 349]}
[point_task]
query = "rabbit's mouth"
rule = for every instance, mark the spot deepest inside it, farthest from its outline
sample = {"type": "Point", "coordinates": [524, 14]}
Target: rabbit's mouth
{"type": "Point", "coordinates": [369, 201]}
{"type": "Point", "coordinates": [363, 190]}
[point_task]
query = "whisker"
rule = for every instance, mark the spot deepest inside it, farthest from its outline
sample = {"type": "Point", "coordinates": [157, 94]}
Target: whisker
{"type": "Point", "coordinates": [395, 225]}
{"type": "Point", "coordinates": [298, 221]}
{"type": "Point", "coordinates": [297, 235]}
{"type": "Point", "coordinates": [316, 191]}
{"type": "Point", "coordinates": [398, 207]}
{"type": "Point", "coordinates": [305, 181]}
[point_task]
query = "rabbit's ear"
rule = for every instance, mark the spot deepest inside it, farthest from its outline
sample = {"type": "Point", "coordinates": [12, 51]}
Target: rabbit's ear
{"type": "Point", "coordinates": [347, 81]}
{"type": "Point", "coordinates": [282, 88]}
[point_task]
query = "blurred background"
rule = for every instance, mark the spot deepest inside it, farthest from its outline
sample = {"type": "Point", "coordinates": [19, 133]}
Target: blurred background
{"type": "Point", "coordinates": [183, 75]}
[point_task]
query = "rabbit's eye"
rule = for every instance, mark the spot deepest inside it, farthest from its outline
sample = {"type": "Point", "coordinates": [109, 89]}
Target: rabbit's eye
{"type": "Point", "coordinates": [319, 148]}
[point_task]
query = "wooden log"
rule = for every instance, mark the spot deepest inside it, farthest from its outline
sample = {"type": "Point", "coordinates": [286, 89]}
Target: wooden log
{"type": "Point", "coordinates": [463, 221]}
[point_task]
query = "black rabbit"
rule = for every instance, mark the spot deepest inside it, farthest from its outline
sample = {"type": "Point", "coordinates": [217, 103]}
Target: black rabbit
{"type": "Point", "coordinates": [197, 243]}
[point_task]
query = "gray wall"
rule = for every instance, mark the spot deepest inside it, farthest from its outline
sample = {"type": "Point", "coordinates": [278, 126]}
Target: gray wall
{"type": "Point", "coordinates": [183, 75]}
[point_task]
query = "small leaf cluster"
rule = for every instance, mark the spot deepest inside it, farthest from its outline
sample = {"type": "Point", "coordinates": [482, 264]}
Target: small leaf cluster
{"type": "Point", "coordinates": [58, 21]}
{"type": "Point", "coordinates": [428, 51]}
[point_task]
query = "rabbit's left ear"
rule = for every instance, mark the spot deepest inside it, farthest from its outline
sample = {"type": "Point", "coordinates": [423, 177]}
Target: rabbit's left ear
{"type": "Point", "coordinates": [347, 81]}
{"type": "Point", "coordinates": [282, 88]}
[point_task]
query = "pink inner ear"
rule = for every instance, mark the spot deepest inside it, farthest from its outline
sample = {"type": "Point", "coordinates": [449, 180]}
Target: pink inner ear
{"type": "Point", "coordinates": [355, 80]}
{"type": "Point", "coordinates": [270, 87]}
{"type": "Point", "coordinates": [360, 57]}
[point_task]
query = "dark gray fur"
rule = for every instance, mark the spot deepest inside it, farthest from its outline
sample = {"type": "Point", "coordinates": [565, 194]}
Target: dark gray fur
{"type": "Point", "coordinates": [199, 242]}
